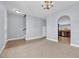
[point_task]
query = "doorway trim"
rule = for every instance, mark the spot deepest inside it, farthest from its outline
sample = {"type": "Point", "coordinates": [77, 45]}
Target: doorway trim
{"type": "Point", "coordinates": [64, 20]}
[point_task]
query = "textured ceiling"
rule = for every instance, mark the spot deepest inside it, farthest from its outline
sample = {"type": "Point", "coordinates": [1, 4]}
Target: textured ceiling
{"type": "Point", "coordinates": [34, 8]}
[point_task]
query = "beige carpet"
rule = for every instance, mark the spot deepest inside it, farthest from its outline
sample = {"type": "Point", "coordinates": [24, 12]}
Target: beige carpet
{"type": "Point", "coordinates": [40, 49]}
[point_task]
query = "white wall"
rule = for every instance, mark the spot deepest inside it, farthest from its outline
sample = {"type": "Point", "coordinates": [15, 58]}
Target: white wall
{"type": "Point", "coordinates": [34, 27]}
{"type": "Point", "coordinates": [52, 27]}
{"type": "Point", "coordinates": [3, 27]}
{"type": "Point", "coordinates": [16, 24]}
{"type": "Point", "coordinates": [44, 27]}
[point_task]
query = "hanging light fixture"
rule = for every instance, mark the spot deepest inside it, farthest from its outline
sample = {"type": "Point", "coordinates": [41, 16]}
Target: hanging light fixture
{"type": "Point", "coordinates": [47, 4]}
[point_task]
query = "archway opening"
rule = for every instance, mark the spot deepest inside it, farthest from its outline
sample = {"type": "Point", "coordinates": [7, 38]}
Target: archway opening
{"type": "Point", "coordinates": [64, 30]}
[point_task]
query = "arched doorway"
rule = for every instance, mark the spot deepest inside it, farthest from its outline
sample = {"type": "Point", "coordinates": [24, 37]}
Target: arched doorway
{"type": "Point", "coordinates": [64, 30]}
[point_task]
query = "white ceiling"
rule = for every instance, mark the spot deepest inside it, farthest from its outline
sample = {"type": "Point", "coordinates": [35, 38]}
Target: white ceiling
{"type": "Point", "coordinates": [34, 8]}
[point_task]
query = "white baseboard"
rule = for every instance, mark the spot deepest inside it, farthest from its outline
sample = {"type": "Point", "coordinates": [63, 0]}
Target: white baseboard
{"type": "Point", "coordinates": [35, 37]}
{"type": "Point", "coordinates": [16, 38]}
{"type": "Point", "coordinates": [7, 41]}
{"type": "Point", "coordinates": [1, 50]}
{"type": "Point", "coordinates": [74, 45]}
{"type": "Point", "coordinates": [55, 40]}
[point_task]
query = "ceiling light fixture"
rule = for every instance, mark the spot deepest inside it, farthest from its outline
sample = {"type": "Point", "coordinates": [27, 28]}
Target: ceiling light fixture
{"type": "Point", "coordinates": [47, 4]}
{"type": "Point", "coordinates": [18, 11]}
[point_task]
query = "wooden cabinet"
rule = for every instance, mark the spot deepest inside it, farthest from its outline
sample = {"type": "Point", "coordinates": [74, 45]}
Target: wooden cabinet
{"type": "Point", "coordinates": [64, 36]}
{"type": "Point", "coordinates": [64, 33]}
